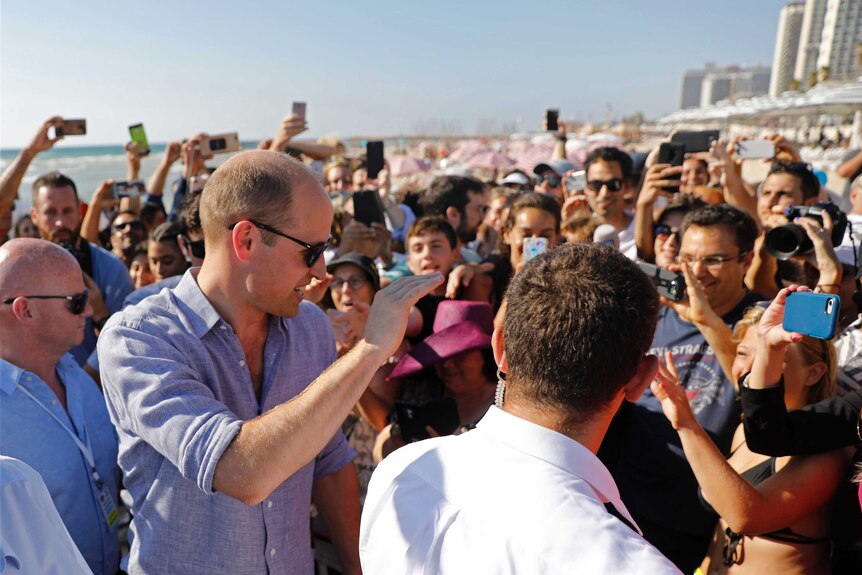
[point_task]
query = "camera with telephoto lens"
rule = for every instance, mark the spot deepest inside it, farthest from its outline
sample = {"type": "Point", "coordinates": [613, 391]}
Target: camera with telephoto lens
{"type": "Point", "coordinates": [789, 240]}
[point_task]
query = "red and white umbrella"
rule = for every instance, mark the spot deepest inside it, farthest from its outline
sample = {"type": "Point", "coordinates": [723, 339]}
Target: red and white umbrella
{"type": "Point", "coordinates": [490, 161]}
{"type": "Point", "coordinates": [400, 166]}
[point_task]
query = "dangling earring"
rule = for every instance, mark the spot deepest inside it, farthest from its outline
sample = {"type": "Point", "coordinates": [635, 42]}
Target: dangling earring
{"type": "Point", "coordinates": [501, 388]}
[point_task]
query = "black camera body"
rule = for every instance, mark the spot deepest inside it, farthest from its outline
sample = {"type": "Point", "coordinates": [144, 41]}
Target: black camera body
{"type": "Point", "coordinates": [790, 239]}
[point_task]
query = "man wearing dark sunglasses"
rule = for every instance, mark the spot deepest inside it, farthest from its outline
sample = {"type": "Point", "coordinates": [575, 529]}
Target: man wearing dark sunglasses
{"type": "Point", "coordinates": [549, 177]}
{"type": "Point", "coordinates": [52, 416]}
{"type": "Point", "coordinates": [128, 232]}
{"type": "Point", "coordinates": [609, 172]}
{"type": "Point", "coordinates": [225, 390]}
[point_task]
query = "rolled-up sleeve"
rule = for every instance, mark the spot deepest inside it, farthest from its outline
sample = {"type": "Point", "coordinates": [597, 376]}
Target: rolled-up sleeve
{"type": "Point", "coordinates": [153, 392]}
{"type": "Point", "coordinates": [334, 456]}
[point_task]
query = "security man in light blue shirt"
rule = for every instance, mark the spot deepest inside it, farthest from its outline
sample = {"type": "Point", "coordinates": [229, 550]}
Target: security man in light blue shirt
{"type": "Point", "coordinates": [52, 414]}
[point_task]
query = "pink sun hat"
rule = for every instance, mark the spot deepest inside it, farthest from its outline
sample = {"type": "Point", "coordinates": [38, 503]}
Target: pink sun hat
{"type": "Point", "coordinates": [459, 326]}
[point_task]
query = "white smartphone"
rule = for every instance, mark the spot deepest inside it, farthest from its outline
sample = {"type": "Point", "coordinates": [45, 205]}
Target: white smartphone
{"type": "Point", "coordinates": [754, 149]}
{"type": "Point", "coordinates": [220, 144]}
{"type": "Point", "coordinates": [576, 182]}
{"type": "Point", "coordinates": [534, 247]}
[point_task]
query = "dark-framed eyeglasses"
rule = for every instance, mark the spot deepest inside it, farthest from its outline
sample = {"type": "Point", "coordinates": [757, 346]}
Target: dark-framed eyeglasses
{"type": "Point", "coordinates": [354, 282]}
{"type": "Point", "coordinates": [711, 261]}
{"type": "Point", "coordinates": [553, 180]}
{"type": "Point", "coordinates": [614, 185]}
{"type": "Point", "coordinates": [197, 248]}
{"type": "Point", "coordinates": [662, 232]}
{"type": "Point", "coordinates": [312, 251]}
{"type": "Point", "coordinates": [77, 303]}
{"type": "Point", "coordinates": [134, 225]}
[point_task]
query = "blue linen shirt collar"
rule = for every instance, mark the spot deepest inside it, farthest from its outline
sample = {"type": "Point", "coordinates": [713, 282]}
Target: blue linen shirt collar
{"type": "Point", "coordinates": [199, 314]}
{"type": "Point", "coordinates": [10, 375]}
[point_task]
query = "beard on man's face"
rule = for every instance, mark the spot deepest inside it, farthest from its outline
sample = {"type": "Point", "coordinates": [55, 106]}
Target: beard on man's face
{"type": "Point", "coordinates": [62, 235]}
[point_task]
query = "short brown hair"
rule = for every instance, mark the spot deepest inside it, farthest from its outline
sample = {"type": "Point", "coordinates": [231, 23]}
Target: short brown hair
{"type": "Point", "coordinates": [255, 185]}
{"type": "Point", "coordinates": [53, 180]}
{"type": "Point", "coordinates": [579, 320]}
{"type": "Point", "coordinates": [431, 225]}
{"type": "Point", "coordinates": [580, 226]}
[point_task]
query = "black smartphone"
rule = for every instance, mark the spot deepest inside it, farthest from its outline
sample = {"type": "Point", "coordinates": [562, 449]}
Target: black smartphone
{"type": "Point", "coordinates": [552, 119]}
{"type": "Point", "coordinates": [71, 128]}
{"type": "Point", "coordinates": [139, 137]}
{"type": "Point", "coordinates": [696, 141]}
{"type": "Point", "coordinates": [373, 158]}
{"type": "Point", "coordinates": [440, 414]}
{"type": "Point", "coordinates": [367, 207]}
{"type": "Point", "coordinates": [673, 154]}
{"type": "Point", "coordinates": [669, 284]}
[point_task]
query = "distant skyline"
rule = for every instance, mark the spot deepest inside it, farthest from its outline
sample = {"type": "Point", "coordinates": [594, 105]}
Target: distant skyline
{"type": "Point", "coordinates": [385, 68]}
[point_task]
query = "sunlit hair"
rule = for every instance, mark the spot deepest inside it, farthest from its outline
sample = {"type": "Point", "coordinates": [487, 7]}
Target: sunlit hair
{"type": "Point", "coordinates": [813, 351]}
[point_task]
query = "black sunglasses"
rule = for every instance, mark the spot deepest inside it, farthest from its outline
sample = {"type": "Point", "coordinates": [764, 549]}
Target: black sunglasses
{"type": "Point", "coordinates": [134, 225]}
{"type": "Point", "coordinates": [77, 303]}
{"type": "Point", "coordinates": [664, 232]}
{"type": "Point", "coordinates": [553, 180]}
{"type": "Point", "coordinates": [197, 248]}
{"type": "Point", "coordinates": [614, 185]}
{"type": "Point", "coordinates": [312, 251]}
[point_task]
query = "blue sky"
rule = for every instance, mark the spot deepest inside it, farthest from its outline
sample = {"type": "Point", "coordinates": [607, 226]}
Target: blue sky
{"type": "Point", "coordinates": [384, 67]}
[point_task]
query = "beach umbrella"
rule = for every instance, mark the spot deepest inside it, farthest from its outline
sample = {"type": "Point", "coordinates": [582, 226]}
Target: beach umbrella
{"type": "Point", "coordinates": [400, 166]}
{"type": "Point", "coordinates": [466, 149]}
{"type": "Point", "coordinates": [490, 161]}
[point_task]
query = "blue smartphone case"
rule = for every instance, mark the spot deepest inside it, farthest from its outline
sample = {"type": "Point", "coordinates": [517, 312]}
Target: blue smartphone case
{"type": "Point", "coordinates": [814, 314]}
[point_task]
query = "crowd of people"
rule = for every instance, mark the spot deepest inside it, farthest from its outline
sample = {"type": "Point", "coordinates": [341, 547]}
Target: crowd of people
{"type": "Point", "coordinates": [258, 378]}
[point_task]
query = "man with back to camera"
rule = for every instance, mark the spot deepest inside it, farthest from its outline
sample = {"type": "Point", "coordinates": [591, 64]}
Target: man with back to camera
{"type": "Point", "coordinates": [524, 492]}
{"type": "Point", "coordinates": [609, 172]}
{"type": "Point", "coordinates": [643, 452]}
{"type": "Point", "coordinates": [56, 212]}
{"type": "Point", "coordinates": [257, 435]}
{"type": "Point", "coordinates": [52, 415]}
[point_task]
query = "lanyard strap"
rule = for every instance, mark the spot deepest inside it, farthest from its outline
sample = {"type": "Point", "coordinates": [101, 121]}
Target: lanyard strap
{"type": "Point", "coordinates": [85, 450]}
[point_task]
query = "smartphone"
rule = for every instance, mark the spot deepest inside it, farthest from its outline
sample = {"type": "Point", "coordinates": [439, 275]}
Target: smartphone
{"type": "Point", "coordinates": [373, 158]}
{"type": "Point", "coordinates": [220, 144]}
{"type": "Point", "coordinates": [813, 314]}
{"type": "Point", "coordinates": [299, 109]}
{"type": "Point", "coordinates": [139, 137]}
{"type": "Point", "coordinates": [534, 247]}
{"type": "Point", "coordinates": [673, 154]}
{"type": "Point", "coordinates": [128, 189]}
{"type": "Point", "coordinates": [71, 128]}
{"type": "Point", "coordinates": [440, 414]}
{"type": "Point", "coordinates": [576, 182]}
{"type": "Point", "coordinates": [552, 119]}
{"type": "Point", "coordinates": [695, 141]}
{"type": "Point", "coordinates": [669, 284]}
{"type": "Point", "coordinates": [754, 149]}
{"type": "Point", "coordinates": [367, 207]}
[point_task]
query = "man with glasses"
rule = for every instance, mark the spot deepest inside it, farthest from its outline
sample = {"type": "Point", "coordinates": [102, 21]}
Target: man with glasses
{"type": "Point", "coordinates": [645, 455]}
{"type": "Point", "coordinates": [52, 415]}
{"type": "Point", "coordinates": [609, 172]}
{"type": "Point", "coordinates": [128, 233]}
{"type": "Point", "coordinates": [226, 393]}
{"type": "Point", "coordinates": [549, 177]}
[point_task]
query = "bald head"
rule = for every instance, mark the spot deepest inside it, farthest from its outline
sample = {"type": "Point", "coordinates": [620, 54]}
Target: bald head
{"type": "Point", "coordinates": [26, 263]}
{"type": "Point", "coordinates": [258, 185]}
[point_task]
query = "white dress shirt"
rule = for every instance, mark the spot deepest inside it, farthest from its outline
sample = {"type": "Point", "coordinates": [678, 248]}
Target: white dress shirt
{"type": "Point", "coordinates": [507, 497]}
{"type": "Point", "coordinates": [33, 538]}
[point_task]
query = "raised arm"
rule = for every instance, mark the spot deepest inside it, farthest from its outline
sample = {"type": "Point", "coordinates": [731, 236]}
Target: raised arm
{"type": "Point", "coordinates": [100, 200]}
{"type": "Point", "coordinates": [658, 177]}
{"type": "Point", "coordinates": [12, 176]}
{"type": "Point", "coordinates": [851, 166]}
{"type": "Point", "coordinates": [156, 185]}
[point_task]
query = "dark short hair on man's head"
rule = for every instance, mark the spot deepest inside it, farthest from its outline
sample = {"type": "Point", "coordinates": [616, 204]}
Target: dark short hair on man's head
{"type": "Point", "coordinates": [433, 224]}
{"type": "Point", "coordinates": [610, 154]}
{"type": "Point", "coordinates": [579, 320]}
{"type": "Point", "coordinates": [190, 211]}
{"type": "Point", "coordinates": [737, 221]}
{"type": "Point", "coordinates": [167, 232]}
{"type": "Point", "coordinates": [149, 211]}
{"type": "Point", "coordinates": [807, 180]}
{"type": "Point", "coordinates": [52, 180]}
{"type": "Point", "coordinates": [681, 204]}
{"type": "Point", "coordinates": [449, 191]}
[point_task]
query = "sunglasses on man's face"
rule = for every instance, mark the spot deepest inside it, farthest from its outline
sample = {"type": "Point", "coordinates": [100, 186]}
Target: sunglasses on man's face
{"type": "Point", "coordinates": [134, 225]}
{"type": "Point", "coordinates": [553, 180]}
{"type": "Point", "coordinates": [664, 232]}
{"type": "Point", "coordinates": [614, 185]}
{"type": "Point", "coordinates": [77, 303]}
{"type": "Point", "coordinates": [312, 251]}
{"type": "Point", "coordinates": [197, 248]}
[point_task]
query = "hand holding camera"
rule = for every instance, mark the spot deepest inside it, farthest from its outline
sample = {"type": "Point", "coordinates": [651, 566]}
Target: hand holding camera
{"type": "Point", "coordinates": [789, 240]}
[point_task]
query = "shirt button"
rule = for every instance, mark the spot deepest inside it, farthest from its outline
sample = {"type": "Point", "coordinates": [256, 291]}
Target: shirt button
{"type": "Point", "coordinates": [53, 402]}
{"type": "Point", "coordinates": [242, 363]}
{"type": "Point", "coordinates": [272, 552]}
{"type": "Point", "coordinates": [269, 504]}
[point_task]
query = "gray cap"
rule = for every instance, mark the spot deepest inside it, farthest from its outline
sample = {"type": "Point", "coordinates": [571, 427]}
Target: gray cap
{"type": "Point", "coordinates": [559, 167]}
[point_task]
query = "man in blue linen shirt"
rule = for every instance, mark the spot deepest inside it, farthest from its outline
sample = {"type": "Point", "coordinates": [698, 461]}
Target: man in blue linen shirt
{"type": "Point", "coordinates": [52, 414]}
{"type": "Point", "coordinates": [228, 423]}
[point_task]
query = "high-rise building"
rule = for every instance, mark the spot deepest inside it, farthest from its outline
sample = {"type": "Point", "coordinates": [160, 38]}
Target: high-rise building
{"type": "Point", "coordinates": [809, 40]}
{"type": "Point", "coordinates": [786, 47]}
{"type": "Point", "coordinates": [841, 34]}
{"type": "Point", "coordinates": [728, 83]}
{"type": "Point", "coordinates": [692, 86]}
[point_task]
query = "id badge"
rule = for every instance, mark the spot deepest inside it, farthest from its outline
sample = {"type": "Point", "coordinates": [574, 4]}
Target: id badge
{"type": "Point", "coordinates": [109, 509]}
